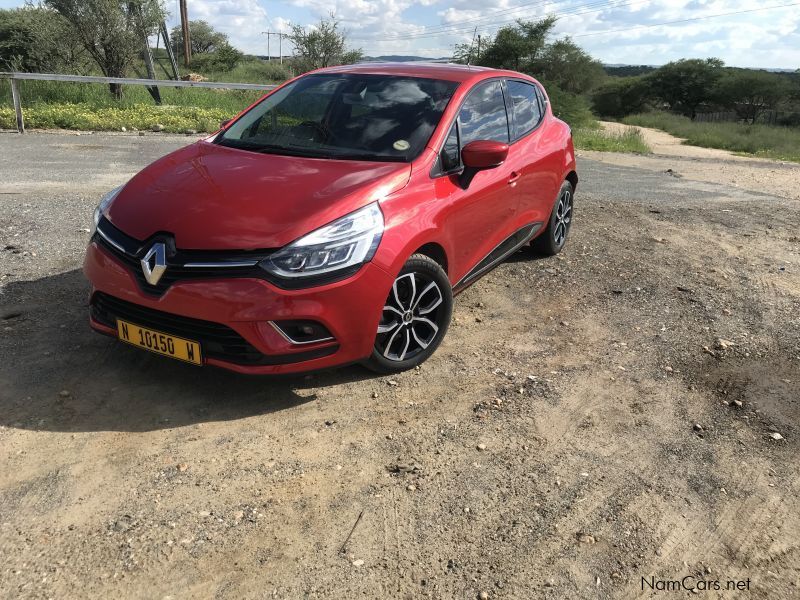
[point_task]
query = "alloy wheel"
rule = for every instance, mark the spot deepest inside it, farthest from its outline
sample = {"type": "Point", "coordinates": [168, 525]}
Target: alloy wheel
{"type": "Point", "coordinates": [411, 318]}
{"type": "Point", "coordinates": [563, 217]}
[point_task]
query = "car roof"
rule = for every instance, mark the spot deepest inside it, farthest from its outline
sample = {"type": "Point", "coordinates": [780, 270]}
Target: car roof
{"type": "Point", "coordinates": [446, 71]}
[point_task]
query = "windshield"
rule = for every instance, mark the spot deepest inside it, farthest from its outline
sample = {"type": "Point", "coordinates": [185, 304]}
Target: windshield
{"type": "Point", "coordinates": [344, 116]}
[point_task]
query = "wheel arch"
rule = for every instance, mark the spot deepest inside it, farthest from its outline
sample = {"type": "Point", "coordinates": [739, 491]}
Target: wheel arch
{"type": "Point", "coordinates": [572, 177]}
{"type": "Point", "coordinates": [435, 252]}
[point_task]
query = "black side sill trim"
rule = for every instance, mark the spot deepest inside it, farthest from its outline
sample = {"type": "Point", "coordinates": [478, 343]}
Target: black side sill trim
{"type": "Point", "coordinates": [502, 251]}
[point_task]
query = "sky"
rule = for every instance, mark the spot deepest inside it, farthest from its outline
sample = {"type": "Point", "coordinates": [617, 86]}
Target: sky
{"type": "Point", "coordinates": [613, 31]}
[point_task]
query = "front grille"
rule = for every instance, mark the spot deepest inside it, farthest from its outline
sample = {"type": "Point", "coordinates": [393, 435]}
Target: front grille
{"type": "Point", "coordinates": [217, 341]}
{"type": "Point", "coordinates": [130, 251]}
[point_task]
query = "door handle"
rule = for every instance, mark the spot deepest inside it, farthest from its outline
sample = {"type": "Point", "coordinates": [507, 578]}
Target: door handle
{"type": "Point", "coordinates": [514, 178]}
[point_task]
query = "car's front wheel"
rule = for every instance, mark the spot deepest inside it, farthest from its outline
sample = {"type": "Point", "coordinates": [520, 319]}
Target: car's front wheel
{"type": "Point", "coordinates": [415, 317]}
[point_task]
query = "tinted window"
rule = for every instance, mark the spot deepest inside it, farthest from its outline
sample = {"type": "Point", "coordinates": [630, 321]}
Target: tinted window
{"type": "Point", "coordinates": [345, 116]}
{"type": "Point", "coordinates": [483, 116]}
{"type": "Point", "coordinates": [527, 111]}
{"type": "Point", "coordinates": [451, 155]}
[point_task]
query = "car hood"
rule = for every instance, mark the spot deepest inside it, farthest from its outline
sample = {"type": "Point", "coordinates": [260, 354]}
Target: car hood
{"type": "Point", "coordinates": [212, 198]}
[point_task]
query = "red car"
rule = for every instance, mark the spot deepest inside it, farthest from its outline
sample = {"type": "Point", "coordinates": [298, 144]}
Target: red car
{"type": "Point", "coordinates": [334, 220]}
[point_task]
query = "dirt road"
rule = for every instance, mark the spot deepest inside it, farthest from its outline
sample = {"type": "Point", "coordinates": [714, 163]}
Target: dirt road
{"type": "Point", "coordinates": [625, 415]}
{"type": "Point", "coordinates": [706, 164]}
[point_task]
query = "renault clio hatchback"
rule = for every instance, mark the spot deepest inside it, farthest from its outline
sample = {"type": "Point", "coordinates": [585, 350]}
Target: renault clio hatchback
{"type": "Point", "coordinates": [333, 221]}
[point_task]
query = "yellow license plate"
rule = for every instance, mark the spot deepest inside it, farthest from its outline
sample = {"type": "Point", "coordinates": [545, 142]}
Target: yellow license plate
{"type": "Point", "coordinates": [160, 343]}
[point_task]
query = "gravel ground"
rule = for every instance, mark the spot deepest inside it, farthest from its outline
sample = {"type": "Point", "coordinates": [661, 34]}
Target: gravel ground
{"type": "Point", "coordinates": [628, 412]}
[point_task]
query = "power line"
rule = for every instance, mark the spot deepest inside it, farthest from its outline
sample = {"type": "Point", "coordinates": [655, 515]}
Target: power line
{"type": "Point", "coordinates": [727, 14]}
{"type": "Point", "coordinates": [579, 10]}
{"type": "Point", "coordinates": [587, 8]}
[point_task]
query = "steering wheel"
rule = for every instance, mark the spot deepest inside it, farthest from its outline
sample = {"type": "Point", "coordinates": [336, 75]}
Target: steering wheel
{"type": "Point", "coordinates": [323, 132]}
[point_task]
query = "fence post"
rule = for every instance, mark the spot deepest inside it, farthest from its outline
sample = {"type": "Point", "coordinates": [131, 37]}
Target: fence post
{"type": "Point", "coordinates": [17, 105]}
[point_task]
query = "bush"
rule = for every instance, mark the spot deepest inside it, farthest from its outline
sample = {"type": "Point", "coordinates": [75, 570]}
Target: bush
{"type": "Point", "coordinates": [175, 119]}
{"type": "Point", "coordinates": [630, 140]}
{"type": "Point", "coordinates": [571, 108]}
{"type": "Point", "coordinates": [621, 97]}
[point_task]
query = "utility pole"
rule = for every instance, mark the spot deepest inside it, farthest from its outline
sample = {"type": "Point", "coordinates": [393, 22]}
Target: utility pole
{"type": "Point", "coordinates": [479, 47]}
{"type": "Point", "coordinates": [187, 43]}
{"type": "Point", "coordinates": [280, 43]}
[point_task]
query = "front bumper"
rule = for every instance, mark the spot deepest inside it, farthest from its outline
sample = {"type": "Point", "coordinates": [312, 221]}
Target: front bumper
{"type": "Point", "coordinates": [238, 311]}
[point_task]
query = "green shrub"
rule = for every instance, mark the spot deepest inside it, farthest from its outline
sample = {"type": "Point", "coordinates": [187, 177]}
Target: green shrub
{"type": "Point", "coordinates": [630, 140]}
{"type": "Point", "coordinates": [570, 108]}
{"type": "Point", "coordinates": [175, 119]}
{"type": "Point", "coordinates": [621, 97]}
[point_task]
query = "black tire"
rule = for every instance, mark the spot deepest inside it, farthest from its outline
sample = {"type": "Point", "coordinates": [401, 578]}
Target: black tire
{"type": "Point", "coordinates": [421, 294]}
{"type": "Point", "coordinates": [553, 239]}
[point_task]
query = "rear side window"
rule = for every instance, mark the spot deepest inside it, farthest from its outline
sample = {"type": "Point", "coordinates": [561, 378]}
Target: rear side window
{"type": "Point", "coordinates": [527, 110]}
{"type": "Point", "coordinates": [483, 115]}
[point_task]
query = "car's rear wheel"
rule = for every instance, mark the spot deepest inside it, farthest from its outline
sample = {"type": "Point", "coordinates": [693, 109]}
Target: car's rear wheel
{"type": "Point", "coordinates": [415, 317]}
{"type": "Point", "coordinates": [553, 239]}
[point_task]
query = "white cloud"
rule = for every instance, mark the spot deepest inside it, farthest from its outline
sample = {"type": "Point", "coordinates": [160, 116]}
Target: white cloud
{"type": "Point", "coordinates": [769, 38]}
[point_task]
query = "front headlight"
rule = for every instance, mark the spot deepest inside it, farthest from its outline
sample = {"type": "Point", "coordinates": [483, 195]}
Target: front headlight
{"type": "Point", "coordinates": [105, 202]}
{"type": "Point", "coordinates": [346, 243]}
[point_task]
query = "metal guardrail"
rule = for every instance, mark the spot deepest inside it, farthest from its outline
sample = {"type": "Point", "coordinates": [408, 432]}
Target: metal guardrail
{"type": "Point", "coordinates": [17, 77]}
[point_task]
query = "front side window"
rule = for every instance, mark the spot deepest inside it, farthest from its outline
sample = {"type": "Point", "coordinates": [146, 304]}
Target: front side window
{"type": "Point", "coordinates": [345, 116]}
{"type": "Point", "coordinates": [483, 116]}
{"type": "Point", "coordinates": [527, 111]}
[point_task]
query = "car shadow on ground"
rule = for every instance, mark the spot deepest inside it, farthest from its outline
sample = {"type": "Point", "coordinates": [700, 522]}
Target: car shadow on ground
{"type": "Point", "coordinates": [56, 374]}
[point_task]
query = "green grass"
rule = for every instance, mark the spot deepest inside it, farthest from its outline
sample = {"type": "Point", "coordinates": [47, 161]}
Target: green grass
{"type": "Point", "coordinates": [87, 117]}
{"type": "Point", "coordinates": [630, 140]}
{"type": "Point", "coordinates": [767, 141]}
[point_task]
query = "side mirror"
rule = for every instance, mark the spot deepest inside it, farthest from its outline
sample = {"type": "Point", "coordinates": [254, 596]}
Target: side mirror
{"type": "Point", "coordinates": [481, 155]}
{"type": "Point", "coordinates": [225, 123]}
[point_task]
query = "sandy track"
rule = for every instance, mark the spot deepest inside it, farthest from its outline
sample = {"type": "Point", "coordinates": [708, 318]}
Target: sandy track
{"type": "Point", "coordinates": [706, 164]}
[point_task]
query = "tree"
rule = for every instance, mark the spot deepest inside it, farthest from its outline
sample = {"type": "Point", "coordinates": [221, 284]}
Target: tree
{"type": "Point", "coordinates": [749, 93]}
{"type": "Point", "coordinates": [524, 47]}
{"type": "Point", "coordinates": [567, 65]}
{"type": "Point", "coordinates": [113, 32]}
{"type": "Point", "coordinates": [322, 46]}
{"type": "Point", "coordinates": [39, 40]}
{"type": "Point", "coordinates": [620, 97]}
{"type": "Point", "coordinates": [685, 85]}
{"type": "Point", "coordinates": [515, 47]}
{"type": "Point", "coordinates": [203, 38]}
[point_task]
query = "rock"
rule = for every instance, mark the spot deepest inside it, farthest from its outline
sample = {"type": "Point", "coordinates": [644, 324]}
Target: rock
{"type": "Point", "coordinates": [182, 467]}
{"type": "Point", "coordinates": [374, 394]}
{"type": "Point", "coordinates": [411, 487]}
{"type": "Point", "coordinates": [358, 563]}
{"type": "Point", "coordinates": [123, 129]}
{"type": "Point", "coordinates": [721, 344]}
{"type": "Point", "coordinates": [565, 323]}
{"type": "Point", "coordinates": [481, 447]}
{"type": "Point", "coordinates": [65, 393]}
{"type": "Point", "coordinates": [550, 583]}
{"type": "Point", "coordinates": [668, 369]}
{"type": "Point", "coordinates": [697, 427]}
{"type": "Point", "coordinates": [616, 575]}
{"type": "Point", "coordinates": [157, 127]}
{"type": "Point", "coordinates": [776, 436]}
{"type": "Point", "coordinates": [141, 134]}
{"type": "Point", "coordinates": [238, 515]}
{"type": "Point", "coordinates": [191, 132]}
{"type": "Point", "coordinates": [585, 538]}
{"type": "Point", "coordinates": [483, 596]}
{"type": "Point", "coordinates": [393, 382]}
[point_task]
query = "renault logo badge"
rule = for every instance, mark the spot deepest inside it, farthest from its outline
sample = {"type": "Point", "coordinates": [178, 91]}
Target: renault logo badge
{"type": "Point", "coordinates": [154, 263]}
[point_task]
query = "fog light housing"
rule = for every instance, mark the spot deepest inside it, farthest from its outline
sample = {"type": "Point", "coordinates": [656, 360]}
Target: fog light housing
{"type": "Point", "coordinates": [302, 332]}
